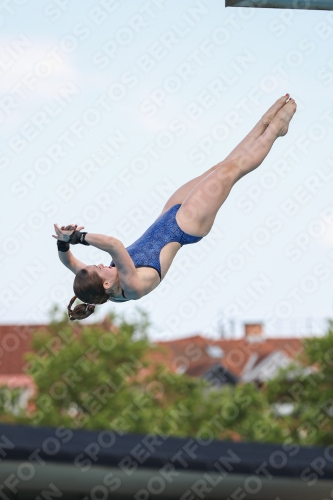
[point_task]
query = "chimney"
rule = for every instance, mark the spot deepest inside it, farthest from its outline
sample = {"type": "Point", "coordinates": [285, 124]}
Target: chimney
{"type": "Point", "coordinates": [254, 332]}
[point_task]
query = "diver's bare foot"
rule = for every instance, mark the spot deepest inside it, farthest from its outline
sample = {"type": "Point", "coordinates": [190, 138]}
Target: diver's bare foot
{"type": "Point", "coordinates": [282, 118]}
{"type": "Point", "coordinates": [271, 112]}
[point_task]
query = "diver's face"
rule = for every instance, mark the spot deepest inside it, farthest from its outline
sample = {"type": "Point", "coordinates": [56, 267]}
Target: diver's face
{"type": "Point", "coordinates": [107, 273]}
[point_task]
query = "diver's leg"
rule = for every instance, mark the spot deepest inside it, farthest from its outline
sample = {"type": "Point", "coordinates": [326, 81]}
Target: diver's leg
{"type": "Point", "coordinates": [181, 193]}
{"type": "Point", "coordinates": [198, 211]}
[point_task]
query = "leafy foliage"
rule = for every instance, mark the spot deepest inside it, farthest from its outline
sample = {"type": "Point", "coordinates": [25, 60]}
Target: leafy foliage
{"type": "Point", "coordinates": [308, 392]}
{"type": "Point", "coordinates": [102, 376]}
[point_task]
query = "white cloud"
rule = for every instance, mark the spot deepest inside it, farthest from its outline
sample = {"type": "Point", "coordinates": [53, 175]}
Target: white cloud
{"type": "Point", "coordinates": [33, 77]}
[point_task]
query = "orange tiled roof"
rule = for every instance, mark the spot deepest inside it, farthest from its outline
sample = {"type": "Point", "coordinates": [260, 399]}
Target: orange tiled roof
{"type": "Point", "coordinates": [186, 354]}
{"type": "Point", "coordinates": [18, 380]}
{"type": "Point", "coordinates": [199, 369]}
{"type": "Point", "coordinates": [15, 341]}
{"type": "Point", "coordinates": [192, 350]}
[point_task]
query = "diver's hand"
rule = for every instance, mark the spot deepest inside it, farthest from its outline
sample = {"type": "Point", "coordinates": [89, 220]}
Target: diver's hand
{"type": "Point", "coordinates": [64, 232]}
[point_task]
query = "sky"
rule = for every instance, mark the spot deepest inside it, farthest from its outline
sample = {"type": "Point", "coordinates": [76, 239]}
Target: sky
{"type": "Point", "coordinates": [107, 108]}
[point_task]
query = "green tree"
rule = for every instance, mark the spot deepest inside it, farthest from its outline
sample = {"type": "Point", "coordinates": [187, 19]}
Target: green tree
{"type": "Point", "coordinates": [103, 376]}
{"type": "Point", "coordinates": [9, 401]}
{"type": "Point", "coordinates": [307, 388]}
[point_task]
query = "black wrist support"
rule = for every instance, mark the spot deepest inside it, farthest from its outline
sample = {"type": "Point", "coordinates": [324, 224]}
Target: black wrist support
{"type": "Point", "coordinates": [63, 246]}
{"type": "Point", "coordinates": [78, 237]}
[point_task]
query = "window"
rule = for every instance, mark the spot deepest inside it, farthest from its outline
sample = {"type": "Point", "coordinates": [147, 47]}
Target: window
{"type": "Point", "coordinates": [214, 351]}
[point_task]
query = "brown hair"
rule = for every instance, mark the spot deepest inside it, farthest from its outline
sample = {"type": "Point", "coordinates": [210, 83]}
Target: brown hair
{"type": "Point", "coordinates": [88, 287]}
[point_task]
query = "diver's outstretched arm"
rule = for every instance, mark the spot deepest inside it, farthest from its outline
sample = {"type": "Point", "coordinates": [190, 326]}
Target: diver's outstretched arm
{"type": "Point", "coordinates": [100, 241]}
{"type": "Point", "coordinates": [128, 276]}
{"type": "Point", "coordinates": [73, 264]}
{"type": "Point", "coordinates": [67, 258]}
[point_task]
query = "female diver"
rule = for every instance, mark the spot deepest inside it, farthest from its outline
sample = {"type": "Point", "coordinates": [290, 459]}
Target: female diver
{"type": "Point", "coordinates": [186, 218]}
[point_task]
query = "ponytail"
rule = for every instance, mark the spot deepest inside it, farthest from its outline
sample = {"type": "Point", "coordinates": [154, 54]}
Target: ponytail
{"type": "Point", "coordinates": [80, 311]}
{"type": "Point", "coordinates": [88, 287]}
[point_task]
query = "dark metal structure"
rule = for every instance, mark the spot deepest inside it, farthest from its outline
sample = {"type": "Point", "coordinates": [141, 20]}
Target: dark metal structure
{"type": "Point", "coordinates": [46, 463]}
{"type": "Point", "coordinates": [283, 4]}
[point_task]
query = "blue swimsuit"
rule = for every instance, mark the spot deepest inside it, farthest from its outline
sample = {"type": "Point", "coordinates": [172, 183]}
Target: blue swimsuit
{"type": "Point", "coordinates": [145, 251]}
